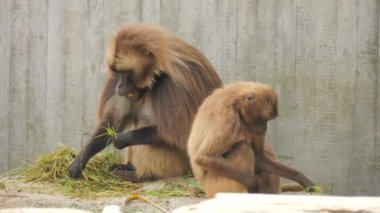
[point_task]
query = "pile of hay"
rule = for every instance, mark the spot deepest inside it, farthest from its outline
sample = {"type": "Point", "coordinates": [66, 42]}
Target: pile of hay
{"type": "Point", "coordinates": [97, 181]}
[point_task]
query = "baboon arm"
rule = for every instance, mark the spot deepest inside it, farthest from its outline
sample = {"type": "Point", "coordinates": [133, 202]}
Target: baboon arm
{"type": "Point", "coordinates": [209, 156]}
{"type": "Point", "coordinates": [222, 166]}
{"type": "Point", "coordinates": [98, 142]}
{"type": "Point", "coordinates": [267, 164]}
{"type": "Point", "coordinates": [145, 135]}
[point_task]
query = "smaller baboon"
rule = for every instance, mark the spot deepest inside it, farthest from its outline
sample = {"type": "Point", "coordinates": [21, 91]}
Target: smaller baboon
{"type": "Point", "coordinates": [227, 146]}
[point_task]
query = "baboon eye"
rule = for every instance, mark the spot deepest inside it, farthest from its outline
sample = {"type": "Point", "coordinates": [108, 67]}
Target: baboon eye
{"type": "Point", "coordinates": [112, 67]}
{"type": "Point", "coordinates": [117, 71]}
{"type": "Point", "coordinates": [145, 52]}
{"type": "Point", "coordinates": [251, 97]}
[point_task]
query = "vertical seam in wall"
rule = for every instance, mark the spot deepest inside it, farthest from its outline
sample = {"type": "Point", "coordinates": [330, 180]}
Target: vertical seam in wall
{"type": "Point", "coordinates": [376, 96]}
{"type": "Point", "coordinates": [276, 36]}
{"type": "Point", "coordinates": [42, 144]}
{"type": "Point", "coordinates": [159, 19]}
{"type": "Point", "coordinates": [28, 145]}
{"type": "Point", "coordinates": [356, 58]}
{"type": "Point", "coordinates": [102, 60]}
{"type": "Point", "coordinates": [355, 87]}
{"type": "Point", "coordinates": [218, 38]}
{"type": "Point", "coordinates": [334, 76]}
{"type": "Point", "coordinates": [255, 40]}
{"type": "Point", "coordinates": [64, 77]}
{"type": "Point", "coordinates": [103, 36]}
{"type": "Point", "coordinates": [176, 20]}
{"type": "Point", "coordinates": [294, 75]}
{"type": "Point", "coordinates": [159, 13]}
{"type": "Point", "coordinates": [295, 57]}
{"type": "Point", "coordinates": [46, 71]}
{"type": "Point", "coordinates": [236, 39]}
{"type": "Point", "coordinates": [198, 28]}
{"type": "Point", "coordinates": [315, 47]}
{"type": "Point", "coordinates": [141, 11]}
{"type": "Point", "coordinates": [10, 29]}
{"type": "Point", "coordinates": [85, 6]}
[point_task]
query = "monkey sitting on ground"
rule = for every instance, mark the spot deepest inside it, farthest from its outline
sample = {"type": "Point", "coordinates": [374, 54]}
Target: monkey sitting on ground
{"type": "Point", "coordinates": [156, 82]}
{"type": "Point", "coordinates": [227, 146]}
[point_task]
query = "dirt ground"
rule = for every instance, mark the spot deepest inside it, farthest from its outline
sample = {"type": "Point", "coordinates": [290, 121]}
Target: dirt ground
{"type": "Point", "coordinates": [15, 194]}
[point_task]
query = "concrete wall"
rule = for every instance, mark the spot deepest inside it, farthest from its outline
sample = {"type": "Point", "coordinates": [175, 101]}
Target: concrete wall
{"type": "Point", "coordinates": [320, 55]}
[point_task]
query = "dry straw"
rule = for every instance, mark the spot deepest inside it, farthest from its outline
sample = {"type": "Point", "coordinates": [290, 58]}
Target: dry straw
{"type": "Point", "coordinates": [97, 181]}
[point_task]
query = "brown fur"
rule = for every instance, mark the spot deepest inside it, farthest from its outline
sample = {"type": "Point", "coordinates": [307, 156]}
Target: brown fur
{"type": "Point", "coordinates": [227, 141]}
{"type": "Point", "coordinates": [174, 78]}
{"type": "Point", "coordinates": [191, 75]}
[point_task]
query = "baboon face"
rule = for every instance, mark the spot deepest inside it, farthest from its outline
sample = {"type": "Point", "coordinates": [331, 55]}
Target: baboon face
{"type": "Point", "coordinates": [133, 64]}
{"type": "Point", "coordinates": [136, 62]}
{"type": "Point", "coordinates": [132, 68]}
{"type": "Point", "coordinates": [258, 103]}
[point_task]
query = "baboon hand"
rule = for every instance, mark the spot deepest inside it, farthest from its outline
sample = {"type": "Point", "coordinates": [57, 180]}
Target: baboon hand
{"type": "Point", "coordinates": [75, 169]}
{"type": "Point", "coordinates": [119, 140]}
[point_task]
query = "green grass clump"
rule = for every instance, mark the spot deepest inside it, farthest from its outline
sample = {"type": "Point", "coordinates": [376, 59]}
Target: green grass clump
{"type": "Point", "coordinates": [315, 189]}
{"type": "Point", "coordinates": [97, 181]}
{"type": "Point", "coordinates": [110, 131]}
{"type": "Point", "coordinates": [51, 170]}
{"type": "Point", "coordinates": [183, 187]}
{"type": "Point", "coordinates": [2, 186]}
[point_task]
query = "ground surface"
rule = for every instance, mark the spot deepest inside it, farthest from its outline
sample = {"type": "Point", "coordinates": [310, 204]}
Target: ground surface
{"type": "Point", "coordinates": [15, 194]}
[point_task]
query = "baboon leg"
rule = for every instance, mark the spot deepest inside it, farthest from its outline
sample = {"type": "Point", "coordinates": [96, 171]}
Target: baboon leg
{"type": "Point", "coordinates": [155, 162]}
{"type": "Point", "coordinates": [241, 157]}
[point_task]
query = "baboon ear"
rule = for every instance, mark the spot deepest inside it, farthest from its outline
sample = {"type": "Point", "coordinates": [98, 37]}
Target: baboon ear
{"type": "Point", "coordinates": [237, 106]}
{"type": "Point", "coordinates": [238, 103]}
{"type": "Point", "coordinates": [145, 52]}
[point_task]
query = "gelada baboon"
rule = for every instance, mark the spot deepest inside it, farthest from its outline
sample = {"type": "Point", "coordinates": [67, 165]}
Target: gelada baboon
{"type": "Point", "coordinates": [156, 82]}
{"type": "Point", "coordinates": [227, 146]}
